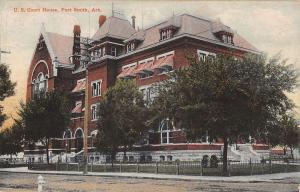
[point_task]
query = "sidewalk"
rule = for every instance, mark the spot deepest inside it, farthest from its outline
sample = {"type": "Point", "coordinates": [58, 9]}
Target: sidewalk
{"type": "Point", "coordinates": [254, 178]}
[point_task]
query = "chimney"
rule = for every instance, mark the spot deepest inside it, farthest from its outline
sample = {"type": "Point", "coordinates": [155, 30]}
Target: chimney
{"type": "Point", "coordinates": [133, 21]}
{"type": "Point", "coordinates": [102, 19]}
{"type": "Point", "coordinates": [76, 30]}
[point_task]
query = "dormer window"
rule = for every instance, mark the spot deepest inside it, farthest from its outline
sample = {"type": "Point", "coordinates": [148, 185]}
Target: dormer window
{"type": "Point", "coordinates": [227, 39]}
{"type": "Point", "coordinates": [166, 34]}
{"type": "Point", "coordinates": [130, 46]}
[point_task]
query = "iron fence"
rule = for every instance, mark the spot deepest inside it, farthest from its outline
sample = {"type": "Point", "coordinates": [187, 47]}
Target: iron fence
{"type": "Point", "coordinates": [180, 167]}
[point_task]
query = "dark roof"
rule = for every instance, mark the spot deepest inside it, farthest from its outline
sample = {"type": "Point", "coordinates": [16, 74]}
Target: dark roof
{"type": "Point", "coordinates": [62, 46]}
{"type": "Point", "coordinates": [191, 25]}
{"type": "Point", "coordinates": [115, 27]}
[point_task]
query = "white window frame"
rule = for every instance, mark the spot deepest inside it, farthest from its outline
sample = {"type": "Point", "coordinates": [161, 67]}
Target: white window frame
{"type": "Point", "coordinates": [146, 60]}
{"type": "Point", "coordinates": [165, 54]}
{"type": "Point", "coordinates": [99, 88]}
{"type": "Point", "coordinates": [148, 92]}
{"type": "Point", "coordinates": [167, 132]}
{"type": "Point", "coordinates": [94, 111]}
{"type": "Point", "coordinates": [129, 65]}
{"type": "Point", "coordinates": [206, 53]}
{"type": "Point", "coordinates": [113, 50]}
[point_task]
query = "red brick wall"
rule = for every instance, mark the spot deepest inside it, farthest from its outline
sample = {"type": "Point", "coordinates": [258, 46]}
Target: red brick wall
{"type": "Point", "coordinates": [39, 55]}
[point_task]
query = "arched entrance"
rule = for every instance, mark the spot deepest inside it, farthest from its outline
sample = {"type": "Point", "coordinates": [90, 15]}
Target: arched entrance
{"type": "Point", "coordinates": [166, 131]}
{"type": "Point", "coordinates": [78, 140]}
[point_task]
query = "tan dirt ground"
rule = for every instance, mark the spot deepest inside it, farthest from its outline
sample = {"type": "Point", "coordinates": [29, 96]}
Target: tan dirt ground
{"type": "Point", "coordinates": [21, 182]}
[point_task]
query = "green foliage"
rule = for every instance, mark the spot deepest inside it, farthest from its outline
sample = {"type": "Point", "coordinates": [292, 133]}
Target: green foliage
{"type": "Point", "coordinates": [228, 97]}
{"type": "Point", "coordinates": [11, 140]}
{"type": "Point", "coordinates": [286, 133]}
{"type": "Point", "coordinates": [122, 118]}
{"type": "Point", "coordinates": [6, 87]}
{"type": "Point", "coordinates": [45, 117]}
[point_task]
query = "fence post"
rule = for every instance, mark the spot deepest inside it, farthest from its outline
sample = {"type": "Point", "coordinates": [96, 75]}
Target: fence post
{"type": "Point", "coordinates": [251, 167]}
{"type": "Point", "coordinates": [270, 163]}
{"type": "Point", "coordinates": [67, 166]}
{"type": "Point", "coordinates": [92, 166]}
{"type": "Point", "coordinates": [228, 167]}
{"type": "Point", "coordinates": [104, 167]}
{"type": "Point", "coordinates": [156, 167]}
{"type": "Point", "coordinates": [78, 168]}
{"type": "Point", "coordinates": [286, 166]}
{"type": "Point", "coordinates": [56, 165]}
{"type": "Point", "coordinates": [177, 165]}
{"type": "Point", "coordinates": [201, 169]}
{"type": "Point", "coordinates": [120, 167]}
{"type": "Point", "coordinates": [137, 167]}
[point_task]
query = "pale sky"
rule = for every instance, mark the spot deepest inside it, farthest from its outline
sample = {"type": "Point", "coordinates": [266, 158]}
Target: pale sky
{"type": "Point", "coordinates": [271, 26]}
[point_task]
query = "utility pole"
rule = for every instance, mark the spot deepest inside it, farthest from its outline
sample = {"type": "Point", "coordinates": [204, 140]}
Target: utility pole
{"type": "Point", "coordinates": [1, 52]}
{"type": "Point", "coordinates": [86, 57]}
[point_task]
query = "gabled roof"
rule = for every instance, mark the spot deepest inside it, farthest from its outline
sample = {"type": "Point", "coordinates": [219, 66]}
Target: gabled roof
{"type": "Point", "coordinates": [58, 45]}
{"type": "Point", "coordinates": [62, 46]}
{"type": "Point", "coordinates": [115, 27]}
{"type": "Point", "coordinates": [191, 25]}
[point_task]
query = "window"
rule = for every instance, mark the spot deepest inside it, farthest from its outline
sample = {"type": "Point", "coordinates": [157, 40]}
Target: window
{"type": "Point", "coordinates": [114, 51]}
{"type": "Point", "coordinates": [130, 47]}
{"type": "Point", "coordinates": [169, 158]}
{"type": "Point", "coordinates": [40, 85]}
{"type": "Point", "coordinates": [161, 158]}
{"type": "Point", "coordinates": [166, 34]}
{"type": "Point", "coordinates": [148, 94]}
{"type": "Point", "coordinates": [96, 88]}
{"type": "Point", "coordinates": [227, 39]}
{"type": "Point", "coordinates": [166, 129]}
{"type": "Point", "coordinates": [103, 51]}
{"type": "Point", "coordinates": [95, 109]}
{"type": "Point", "coordinates": [202, 55]}
{"type": "Point", "coordinates": [145, 75]}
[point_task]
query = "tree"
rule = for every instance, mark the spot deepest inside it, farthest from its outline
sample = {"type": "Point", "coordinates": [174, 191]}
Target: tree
{"type": "Point", "coordinates": [122, 118]}
{"type": "Point", "coordinates": [6, 87]}
{"type": "Point", "coordinates": [286, 134]}
{"type": "Point", "coordinates": [11, 140]}
{"type": "Point", "coordinates": [45, 117]}
{"type": "Point", "coordinates": [227, 97]}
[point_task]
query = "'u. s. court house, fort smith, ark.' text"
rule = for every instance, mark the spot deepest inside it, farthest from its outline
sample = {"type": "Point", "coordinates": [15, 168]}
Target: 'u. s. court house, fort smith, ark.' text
{"type": "Point", "coordinates": [53, 10]}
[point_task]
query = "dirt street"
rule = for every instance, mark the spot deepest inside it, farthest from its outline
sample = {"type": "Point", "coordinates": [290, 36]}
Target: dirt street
{"type": "Point", "coordinates": [21, 182]}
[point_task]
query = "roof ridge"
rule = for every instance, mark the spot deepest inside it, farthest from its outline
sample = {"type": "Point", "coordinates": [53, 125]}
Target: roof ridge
{"type": "Point", "coordinates": [58, 34]}
{"type": "Point", "coordinates": [162, 22]}
{"type": "Point", "coordinates": [198, 17]}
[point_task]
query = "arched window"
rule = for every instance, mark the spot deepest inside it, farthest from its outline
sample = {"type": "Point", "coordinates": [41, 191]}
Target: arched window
{"type": "Point", "coordinates": [165, 129]}
{"type": "Point", "coordinates": [40, 84]}
{"type": "Point", "coordinates": [67, 134]}
{"type": "Point", "coordinates": [78, 133]}
{"type": "Point", "coordinates": [78, 139]}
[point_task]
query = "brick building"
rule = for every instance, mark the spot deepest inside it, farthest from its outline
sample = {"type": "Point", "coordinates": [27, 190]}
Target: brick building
{"type": "Point", "coordinates": [119, 50]}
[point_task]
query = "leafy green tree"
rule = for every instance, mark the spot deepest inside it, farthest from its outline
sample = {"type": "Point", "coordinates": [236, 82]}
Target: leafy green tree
{"type": "Point", "coordinates": [227, 97]}
{"type": "Point", "coordinates": [11, 140]}
{"type": "Point", "coordinates": [122, 118]}
{"type": "Point", "coordinates": [286, 134]}
{"type": "Point", "coordinates": [6, 87]}
{"type": "Point", "coordinates": [45, 117]}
